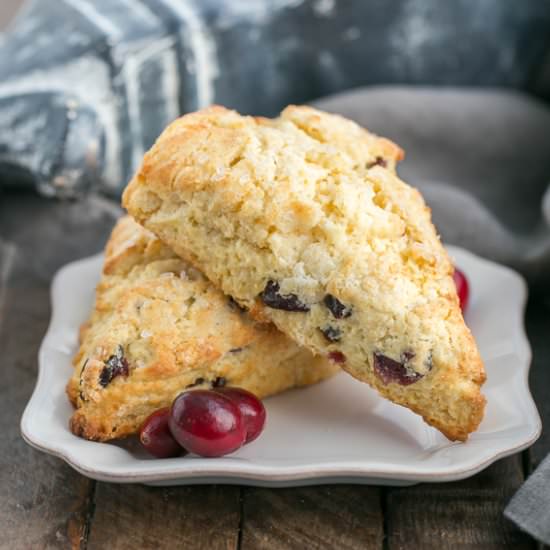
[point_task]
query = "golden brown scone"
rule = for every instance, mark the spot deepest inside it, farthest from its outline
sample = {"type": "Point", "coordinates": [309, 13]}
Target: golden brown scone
{"type": "Point", "coordinates": [303, 220]}
{"type": "Point", "coordinates": [160, 327]}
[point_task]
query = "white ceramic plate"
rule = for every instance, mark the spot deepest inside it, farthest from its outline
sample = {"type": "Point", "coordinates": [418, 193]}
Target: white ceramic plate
{"type": "Point", "coordinates": [337, 431]}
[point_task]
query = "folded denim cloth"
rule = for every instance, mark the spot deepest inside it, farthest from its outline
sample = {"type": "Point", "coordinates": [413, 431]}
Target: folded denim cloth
{"type": "Point", "coordinates": [529, 509]}
{"type": "Point", "coordinates": [97, 95]}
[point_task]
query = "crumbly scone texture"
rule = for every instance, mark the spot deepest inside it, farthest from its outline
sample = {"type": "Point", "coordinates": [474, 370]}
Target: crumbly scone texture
{"type": "Point", "coordinates": [303, 221]}
{"type": "Point", "coordinates": [159, 327]}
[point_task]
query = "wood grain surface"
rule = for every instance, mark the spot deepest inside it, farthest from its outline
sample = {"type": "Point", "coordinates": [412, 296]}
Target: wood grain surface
{"type": "Point", "coordinates": [136, 517]}
{"type": "Point", "coordinates": [330, 516]}
{"type": "Point", "coordinates": [45, 504]}
{"type": "Point", "coordinates": [465, 514]}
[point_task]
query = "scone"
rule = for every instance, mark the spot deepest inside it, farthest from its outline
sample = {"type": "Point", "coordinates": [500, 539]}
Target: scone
{"type": "Point", "coordinates": [304, 222]}
{"type": "Point", "coordinates": [160, 327]}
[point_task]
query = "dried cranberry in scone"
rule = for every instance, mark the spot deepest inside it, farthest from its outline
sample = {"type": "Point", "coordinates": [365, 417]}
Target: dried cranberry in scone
{"type": "Point", "coordinates": [271, 297]}
{"type": "Point", "coordinates": [378, 161]}
{"type": "Point", "coordinates": [331, 334]}
{"type": "Point", "coordinates": [116, 365]}
{"type": "Point", "coordinates": [389, 370]}
{"type": "Point", "coordinates": [336, 307]}
{"type": "Point", "coordinates": [337, 357]}
{"type": "Point", "coordinates": [219, 382]}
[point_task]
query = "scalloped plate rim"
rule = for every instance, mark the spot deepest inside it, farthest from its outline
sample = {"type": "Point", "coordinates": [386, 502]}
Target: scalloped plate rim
{"type": "Point", "coordinates": [200, 470]}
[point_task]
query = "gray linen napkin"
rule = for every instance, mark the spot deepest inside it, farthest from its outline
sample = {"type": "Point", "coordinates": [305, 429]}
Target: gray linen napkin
{"type": "Point", "coordinates": [529, 509]}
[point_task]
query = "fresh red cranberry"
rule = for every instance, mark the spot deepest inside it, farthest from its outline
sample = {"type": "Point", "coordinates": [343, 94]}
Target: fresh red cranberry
{"type": "Point", "coordinates": [207, 423]}
{"type": "Point", "coordinates": [156, 437]}
{"type": "Point", "coordinates": [462, 288]}
{"type": "Point", "coordinates": [252, 410]}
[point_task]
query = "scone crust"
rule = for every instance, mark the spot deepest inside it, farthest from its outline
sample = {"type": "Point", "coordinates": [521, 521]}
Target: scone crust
{"type": "Point", "coordinates": [164, 328]}
{"type": "Point", "coordinates": [309, 204]}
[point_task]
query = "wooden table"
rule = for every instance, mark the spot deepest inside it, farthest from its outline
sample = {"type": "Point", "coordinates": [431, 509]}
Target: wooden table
{"type": "Point", "coordinates": [45, 504]}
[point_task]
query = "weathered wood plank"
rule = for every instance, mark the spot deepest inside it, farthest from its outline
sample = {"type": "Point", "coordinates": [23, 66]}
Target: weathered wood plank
{"type": "Point", "coordinates": [466, 514]}
{"type": "Point", "coordinates": [43, 503]}
{"type": "Point", "coordinates": [135, 516]}
{"type": "Point", "coordinates": [331, 516]}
